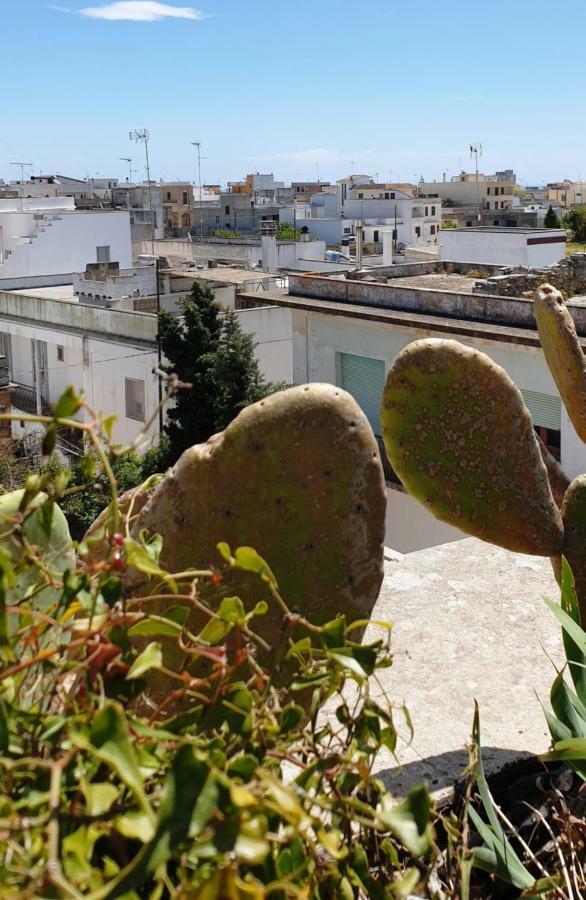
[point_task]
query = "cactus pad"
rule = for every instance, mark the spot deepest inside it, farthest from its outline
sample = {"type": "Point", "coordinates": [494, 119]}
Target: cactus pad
{"type": "Point", "coordinates": [461, 440]}
{"type": "Point", "coordinates": [563, 353]}
{"type": "Point", "coordinates": [298, 477]}
{"type": "Point", "coordinates": [574, 516]}
{"type": "Point", "coordinates": [50, 540]}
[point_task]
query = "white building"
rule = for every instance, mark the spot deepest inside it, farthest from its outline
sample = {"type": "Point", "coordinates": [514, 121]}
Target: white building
{"type": "Point", "coordinates": [530, 247]}
{"type": "Point", "coordinates": [347, 332]}
{"type": "Point", "coordinates": [45, 240]}
{"type": "Point", "coordinates": [336, 212]}
{"type": "Point", "coordinates": [109, 354]}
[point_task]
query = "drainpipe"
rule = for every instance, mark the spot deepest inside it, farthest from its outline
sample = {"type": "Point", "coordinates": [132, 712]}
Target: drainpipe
{"type": "Point", "coordinates": [38, 377]}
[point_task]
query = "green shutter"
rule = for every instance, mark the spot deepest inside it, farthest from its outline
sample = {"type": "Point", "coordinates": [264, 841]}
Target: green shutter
{"type": "Point", "coordinates": [364, 378]}
{"type": "Point", "coordinates": [546, 411]}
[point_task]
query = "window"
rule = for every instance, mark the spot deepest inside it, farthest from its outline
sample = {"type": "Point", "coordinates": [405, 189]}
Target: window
{"type": "Point", "coordinates": [503, 204]}
{"type": "Point", "coordinates": [488, 192]}
{"type": "Point", "coordinates": [227, 210]}
{"type": "Point", "coordinates": [386, 195]}
{"type": "Point", "coordinates": [364, 378]}
{"type": "Point", "coordinates": [217, 220]}
{"type": "Point", "coordinates": [135, 399]}
{"type": "Point", "coordinates": [168, 195]}
{"type": "Point", "coordinates": [392, 196]}
{"type": "Point", "coordinates": [185, 198]}
{"type": "Point", "coordinates": [417, 231]}
{"type": "Point", "coordinates": [432, 229]}
{"type": "Point", "coordinates": [546, 415]}
{"type": "Point", "coordinates": [495, 221]}
{"type": "Point", "coordinates": [468, 224]}
{"type": "Point", "coordinates": [502, 190]}
{"type": "Point", "coordinates": [103, 254]}
{"type": "Point", "coordinates": [433, 210]}
{"type": "Point", "coordinates": [360, 196]}
{"type": "Point", "coordinates": [60, 353]}
{"type": "Point", "coordinates": [375, 237]}
{"type": "Point", "coordinates": [427, 210]}
{"type": "Point", "coordinates": [394, 234]}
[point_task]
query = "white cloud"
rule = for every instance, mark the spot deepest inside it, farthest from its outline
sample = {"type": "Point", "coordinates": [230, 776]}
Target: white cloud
{"type": "Point", "coordinates": [140, 11]}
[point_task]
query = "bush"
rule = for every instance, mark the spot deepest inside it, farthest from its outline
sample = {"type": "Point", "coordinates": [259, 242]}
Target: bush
{"type": "Point", "coordinates": [230, 786]}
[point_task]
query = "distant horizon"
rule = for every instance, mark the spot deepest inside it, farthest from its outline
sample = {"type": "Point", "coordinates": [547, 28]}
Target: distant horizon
{"type": "Point", "coordinates": [384, 89]}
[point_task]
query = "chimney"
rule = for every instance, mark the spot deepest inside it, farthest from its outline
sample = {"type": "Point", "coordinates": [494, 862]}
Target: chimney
{"type": "Point", "coordinates": [268, 232]}
{"type": "Point", "coordinates": [359, 242]}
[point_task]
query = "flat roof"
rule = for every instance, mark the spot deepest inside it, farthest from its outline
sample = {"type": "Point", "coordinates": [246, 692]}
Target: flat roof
{"type": "Point", "coordinates": [503, 229]}
{"type": "Point", "coordinates": [407, 319]}
{"type": "Point", "coordinates": [52, 292]}
{"type": "Point", "coordinates": [223, 274]}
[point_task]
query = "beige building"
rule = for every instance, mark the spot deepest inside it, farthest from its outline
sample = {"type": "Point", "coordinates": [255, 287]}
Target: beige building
{"type": "Point", "coordinates": [484, 192]}
{"type": "Point", "coordinates": [177, 198]}
{"type": "Point", "coordinates": [567, 193]}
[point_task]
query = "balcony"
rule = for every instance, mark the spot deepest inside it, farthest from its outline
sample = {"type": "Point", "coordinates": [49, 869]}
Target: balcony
{"type": "Point", "coordinates": [24, 399]}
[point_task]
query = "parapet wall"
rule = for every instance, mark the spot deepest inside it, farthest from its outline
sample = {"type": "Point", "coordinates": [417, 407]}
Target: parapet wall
{"type": "Point", "coordinates": [569, 276]}
{"type": "Point", "coordinates": [494, 309]}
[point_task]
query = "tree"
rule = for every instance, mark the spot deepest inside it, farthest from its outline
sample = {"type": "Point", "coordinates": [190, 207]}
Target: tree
{"type": "Point", "coordinates": [286, 232]}
{"type": "Point", "coordinates": [208, 350]}
{"type": "Point", "coordinates": [551, 220]}
{"type": "Point", "coordinates": [576, 220]}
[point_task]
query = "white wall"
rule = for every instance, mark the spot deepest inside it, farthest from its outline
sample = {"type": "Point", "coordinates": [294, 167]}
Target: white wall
{"type": "Point", "coordinates": [409, 526]}
{"type": "Point", "coordinates": [271, 327]}
{"type": "Point", "coordinates": [506, 247]}
{"type": "Point", "coordinates": [318, 338]}
{"type": "Point", "coordinates": [63, 244]}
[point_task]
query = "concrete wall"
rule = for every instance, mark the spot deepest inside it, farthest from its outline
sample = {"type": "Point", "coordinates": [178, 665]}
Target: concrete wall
{"type": "Point", "coordinates": [271, 327]}
{"type": "Point", "coordinates": [97, 366]}
{"type": "Point", "coordinates": [65, 243]}
{"type": "Point", "coordinates": [513, 311]}
{"type": "Point", "coordinates": [319, 338]}
{"type": "Point", "coordinates": [409, 526]}
{"type": "Point", "coordinates": [510, 247]}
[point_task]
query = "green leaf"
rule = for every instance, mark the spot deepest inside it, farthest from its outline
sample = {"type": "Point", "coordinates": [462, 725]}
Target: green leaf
{"type": "Point", "coordinates": [49, 439]}
{"type": "Point", "coordinates": [360, 660]}
{"type": "Point", "coordinates": [138, 556]}
{"type": "Point", "coordinates": [150, 658]}
{"type": "Point", "coordinates": [183, 785]}
{"type": "Point", "coordinates": [136, 825]}
{"type": "Point", "coordinates": [153, 626]}
{"type": "Point", "coordinates": [109, 741]}
{"type": "Point", "coordinates": [571, 628]}
{"type": "Point", "coordinates": [67, 404]}
{"type": "Point", "coordinates": [576, 657]}
{"type": "Point", "coordinates": [410, 821]}
{"type": "Point", "coordinates": [290, 718]}
{"type": "Point", "coordinates": [99, 797]}
{"type": "Point", "coordinates": [247, 559]}
{"type": "Point", "coordinates": [4, 733]}
{"type": "Point", "coordinates": [332, 633]}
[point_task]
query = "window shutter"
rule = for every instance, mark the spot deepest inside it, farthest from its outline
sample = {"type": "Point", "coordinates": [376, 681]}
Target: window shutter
{"type": "Point", "coordinates": [546, 411]}
{"type": "Point", "coordinates": [364, 378]}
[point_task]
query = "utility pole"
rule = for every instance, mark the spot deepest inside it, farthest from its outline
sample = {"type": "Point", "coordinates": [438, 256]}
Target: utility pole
{"type": "Point", "coordinates": [141, 136]}
{"type": "Point", "coordinates": [197, 145]}
{"type": "Point", "coordinates": [22, 165]}
{"type": "Point", "coordinates": [317, 167]}
{"type": "Point", "coordinates": [476, 152]}
{"type": "Point", "coordinates": [129, 161]}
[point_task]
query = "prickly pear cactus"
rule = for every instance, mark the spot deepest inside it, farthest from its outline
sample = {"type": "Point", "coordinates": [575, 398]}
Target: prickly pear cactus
{"type": "Point", "coordinates": [563, 353]}
{"type": "Point", "coordinates": [458, 434]}
{"type": "Point", "coordinates": [298, 477]}
{"type": "Point", "coordinates": [574, 517]}
{"type": "Point", "coordinates": [48, 537]}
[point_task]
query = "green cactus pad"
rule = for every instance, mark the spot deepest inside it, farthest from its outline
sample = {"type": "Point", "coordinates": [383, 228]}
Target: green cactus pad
{"type": "Point", "coordinates": [460, 438]}
{"type": "Point", "coordinates": [574, 516]}
{"type": "Point", "coordinates": [563, 353]}
{"type": "Point", "coordinates": [51, 540]}
{"type": "Point", "coordinates": [298, 477]}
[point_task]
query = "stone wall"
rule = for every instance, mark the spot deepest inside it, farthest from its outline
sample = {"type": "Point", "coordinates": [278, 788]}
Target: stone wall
{"type": "Point", "coordinates": [569, 276]}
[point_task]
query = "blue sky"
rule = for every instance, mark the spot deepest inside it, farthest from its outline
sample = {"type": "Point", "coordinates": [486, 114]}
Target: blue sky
{"type": "Point", "coordinates": [267, 85]}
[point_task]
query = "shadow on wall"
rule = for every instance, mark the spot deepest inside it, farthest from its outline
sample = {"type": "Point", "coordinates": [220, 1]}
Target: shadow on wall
{"type": "Point", "coordinates": [409, 526]}
{"type": "Point", "coordinates": [443, 770]}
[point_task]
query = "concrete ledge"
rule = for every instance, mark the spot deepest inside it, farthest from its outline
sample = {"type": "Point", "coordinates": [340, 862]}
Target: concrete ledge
{"type": "Point", "coordinates": [469, 623]}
